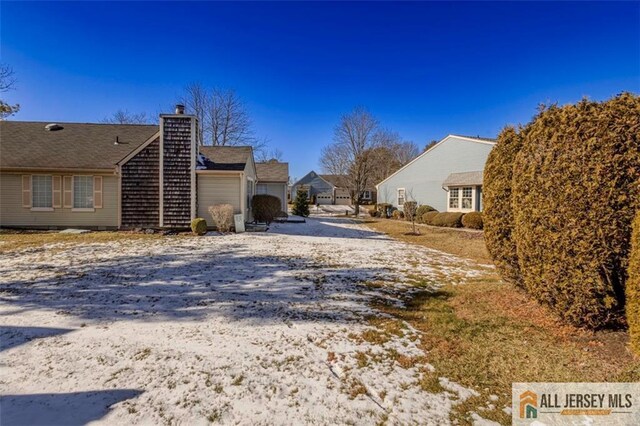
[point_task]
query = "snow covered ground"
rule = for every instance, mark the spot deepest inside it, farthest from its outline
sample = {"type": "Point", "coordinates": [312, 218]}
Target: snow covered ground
{"type": "Point", "coordinates": [254, 328]}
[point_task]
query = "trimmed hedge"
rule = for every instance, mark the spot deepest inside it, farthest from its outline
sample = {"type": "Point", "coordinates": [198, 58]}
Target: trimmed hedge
{"type": "Point", "coordinates": [199, 226]}
{"type": "Point", "coordinates": [422, 210]}
{"type": "Point", "coordinates": [385, 210]}
{"type": "Point", "coordinates": [496, 200]}
{"type": "Point", "coordinates": [633, 288]}
{"type": "Point", "coordinates": [574, 197]}
{"type": "Point", "coordinates": [448, 219]}
{"type": "Point", "coordinates": [398, 214]}
{"type": "Point", "coordinates": [265, 207]}
{"type": "Point", "coordinates": [472, 220]}
{"type": "Point", "coordinates": [427, 218]}
{"type": "Point", "coordinates": [374, 213]}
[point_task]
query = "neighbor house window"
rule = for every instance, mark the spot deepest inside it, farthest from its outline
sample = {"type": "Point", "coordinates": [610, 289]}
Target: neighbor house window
{"type": "Point", "coordinates": [366, 195]}
{"type": "Point", "coordinates": [401, 196]}
{"type": "Point", "coordinates": [83, 192]}
{"type": "Point", "coordinates": [467, 198]}
{"type": "Point", "coordinates": [41, 192]}
{"type": "Point", "coordinates": [454, 198]}
{"type": "Point", "coordinates": [261, 189]}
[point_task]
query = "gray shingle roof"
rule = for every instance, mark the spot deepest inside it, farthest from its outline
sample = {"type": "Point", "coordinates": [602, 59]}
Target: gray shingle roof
{"type": "Point", "coordinates": [335, 180]}
{"type": "Point", "coordinates": [272, 172]}
{"type": "Point", "coordinates": [26, 144]}
{"type": "Point", "coordinates": [464, 178]}
{"type": "Point", "coordinates": [226, 157]}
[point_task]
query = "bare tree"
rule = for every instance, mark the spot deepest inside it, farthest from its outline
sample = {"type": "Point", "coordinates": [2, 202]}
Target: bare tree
{"type": "Point", "coordinates": [430, 145]}
{"type": "Point", "coordinates": [265, 155]}
{"type": "Point", "coordinates": [123, 116]}
{"type": "Point", "coordinates": [223, 117]}
{"type": "Point", "coordinates": [7, 82]}
{"type": "Point", "coordinates": [389, 155]}
{"type": "Point", "coordinates": [350, 153]}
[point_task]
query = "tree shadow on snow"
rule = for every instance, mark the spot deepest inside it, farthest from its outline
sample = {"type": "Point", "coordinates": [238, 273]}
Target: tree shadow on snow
{"type": "Point", "coordinates": [12, 336]}
{"type": "Point", "coordinates": [187, 282]}
{"type": "Point", "coordinates": [75, 408]}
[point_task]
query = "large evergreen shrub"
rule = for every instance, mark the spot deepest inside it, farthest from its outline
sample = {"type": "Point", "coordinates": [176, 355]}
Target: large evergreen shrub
{"type": "Point", "coordinates": [496, 200]}
{"type": "Point", "coordinates": [633, 288]}
{"type": "Point", "coordinates": [574, 196]}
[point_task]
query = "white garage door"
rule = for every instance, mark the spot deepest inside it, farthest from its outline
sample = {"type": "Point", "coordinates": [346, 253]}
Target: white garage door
{"type": "Point", "coordinates": [343, 200]}
{"type": "Point", "coordinates": [324, 199]}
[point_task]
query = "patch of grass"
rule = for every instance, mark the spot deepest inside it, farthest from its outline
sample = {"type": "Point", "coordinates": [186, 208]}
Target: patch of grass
{"type": "Point", "coordinates": [354, 388]}
{"type": "Point", "coordinates": [460, 242]}
{"type": "Point", "coordinates": [11, 240]}
{"type": "Point", "coordinates": [487, 334]}
{"type": "Point", "coordinates": [237, 381]}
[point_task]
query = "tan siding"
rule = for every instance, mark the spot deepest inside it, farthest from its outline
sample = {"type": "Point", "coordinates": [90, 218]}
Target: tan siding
{"type": "Point", "coordinates": [13, 214]}
{"type": "Point", "coordinates": [217, 190]}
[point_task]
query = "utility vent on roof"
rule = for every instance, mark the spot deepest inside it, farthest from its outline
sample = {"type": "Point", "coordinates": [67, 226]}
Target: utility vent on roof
{"type": "Point", "coordinates": [53, 127]}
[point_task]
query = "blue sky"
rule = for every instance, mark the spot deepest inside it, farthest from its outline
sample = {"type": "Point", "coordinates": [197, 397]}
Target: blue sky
{"type": "Point", "coordinates": [424, 69]}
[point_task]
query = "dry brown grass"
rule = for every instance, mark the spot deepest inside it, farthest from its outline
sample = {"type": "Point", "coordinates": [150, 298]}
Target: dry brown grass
{"type": "Point", "coordinates": [19, 240]}
{"type": "Point", "coordinates": [486, 334]}
{"type": "Point", "coordinates": [461, 242]}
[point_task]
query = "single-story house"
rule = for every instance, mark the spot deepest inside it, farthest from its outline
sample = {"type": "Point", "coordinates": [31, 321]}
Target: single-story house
{"type": "Point", "coordinates": [110, 176]}
{"type": "Point", "coordinates": [273, 179]}
{"type": "Point", "coordinates": [448, 176]}
{"type": "Point", "coordinates": [327, 189]}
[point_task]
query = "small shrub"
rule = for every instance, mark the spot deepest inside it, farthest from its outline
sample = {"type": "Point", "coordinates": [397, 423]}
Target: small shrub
{"type": "Point", "coordinates": [422, 210]}
{"type": "Point", "coordinates": [374, 213]}
{"type": "Point", "coordinates": [472, 220]}
{"type": "Point", "coordinates": [448, 219]}
{"type": "Point", "coordinates": [409, 209]}
{"type": "Point", "coordinates": [398, 214]}
{"type": "Point", "coordinates": [282, 215]}
{"type": "Point", "coordinates": [301, 204]}
{"type": "Point", "coordinates": [427, 218]}
{"type": "Point", "coordinates": [222, 215]}
{"type": "Point", "coordinates": [633, 288]}
{"type": "Point", "coordinates": [199, 226]}
{"type": "Point", "coordinates": [265, 207]}
{"type": "Point", "coordinates": [385, 210]}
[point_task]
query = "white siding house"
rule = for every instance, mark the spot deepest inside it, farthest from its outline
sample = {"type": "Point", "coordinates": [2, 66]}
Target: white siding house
{"type": "Point", "coordinates": [447, 177]}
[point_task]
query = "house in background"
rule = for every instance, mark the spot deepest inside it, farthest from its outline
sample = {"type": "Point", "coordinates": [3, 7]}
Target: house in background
{"type": "Point", "coordinates": [107, 176]}
{"type": "Point", "coordinates": [447, 177]}
{"type": "Point", "coordinates": [327, 189]}
{"type": "Point", "coordinates": [273, 179]}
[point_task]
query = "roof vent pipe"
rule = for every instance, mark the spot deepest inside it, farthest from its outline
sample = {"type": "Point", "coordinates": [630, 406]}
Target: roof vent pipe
{"type": "Point", "coordinates": [53, 127]}
{"type": "Point", "coordinates": [179, 109]}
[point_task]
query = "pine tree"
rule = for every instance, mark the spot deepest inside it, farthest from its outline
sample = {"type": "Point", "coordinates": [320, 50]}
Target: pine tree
{"type": "Point", "coordinates": [301, 204]}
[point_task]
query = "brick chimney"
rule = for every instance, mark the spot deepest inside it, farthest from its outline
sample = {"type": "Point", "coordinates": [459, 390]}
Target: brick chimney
{"type": "Point", "coordinates": [178, 151]}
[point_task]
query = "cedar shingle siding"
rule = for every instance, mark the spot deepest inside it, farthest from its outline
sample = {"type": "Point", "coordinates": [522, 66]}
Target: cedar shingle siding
{"type": "Point", "coordinates": [177, 157]}
{"type": "Point", "coordinates": [141, 188]}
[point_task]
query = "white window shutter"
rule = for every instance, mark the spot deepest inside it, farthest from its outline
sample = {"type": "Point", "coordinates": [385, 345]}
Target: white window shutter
{"type": "Point", "coordinates": [68, 194]}
{"type": "Point", "coordinates": [97, 192]}
{"type": "Point", "coordinates": [56, 186]}
{"type": "Point", "coordinates": [26, 190]}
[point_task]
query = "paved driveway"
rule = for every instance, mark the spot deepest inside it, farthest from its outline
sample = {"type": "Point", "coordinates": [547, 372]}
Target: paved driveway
{"type": "Point", "coordinates": [255, 328]}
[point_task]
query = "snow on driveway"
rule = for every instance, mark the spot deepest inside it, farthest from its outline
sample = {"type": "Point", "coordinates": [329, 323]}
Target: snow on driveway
{"type": "Point", "coordinates": [252, 328]}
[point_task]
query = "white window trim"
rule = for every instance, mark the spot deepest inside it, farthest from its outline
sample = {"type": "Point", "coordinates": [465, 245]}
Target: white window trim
{"type": "Point", "coordinates": [366, 195]}
{"type": "Point", "coordinates": [73, 196]}
{"type": "Point", "coordinates": [42, 209]}
{"type": "Point", "coordinates": [404, 196]}
{"type": "Point", "coordinates": [460, 191]}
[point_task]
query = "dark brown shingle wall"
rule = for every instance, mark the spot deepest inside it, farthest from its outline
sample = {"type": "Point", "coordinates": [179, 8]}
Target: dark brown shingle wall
{"type": "Point", "coordinates": [141, 189]}
{"type": "Point", "coordinates": [176, 171]}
